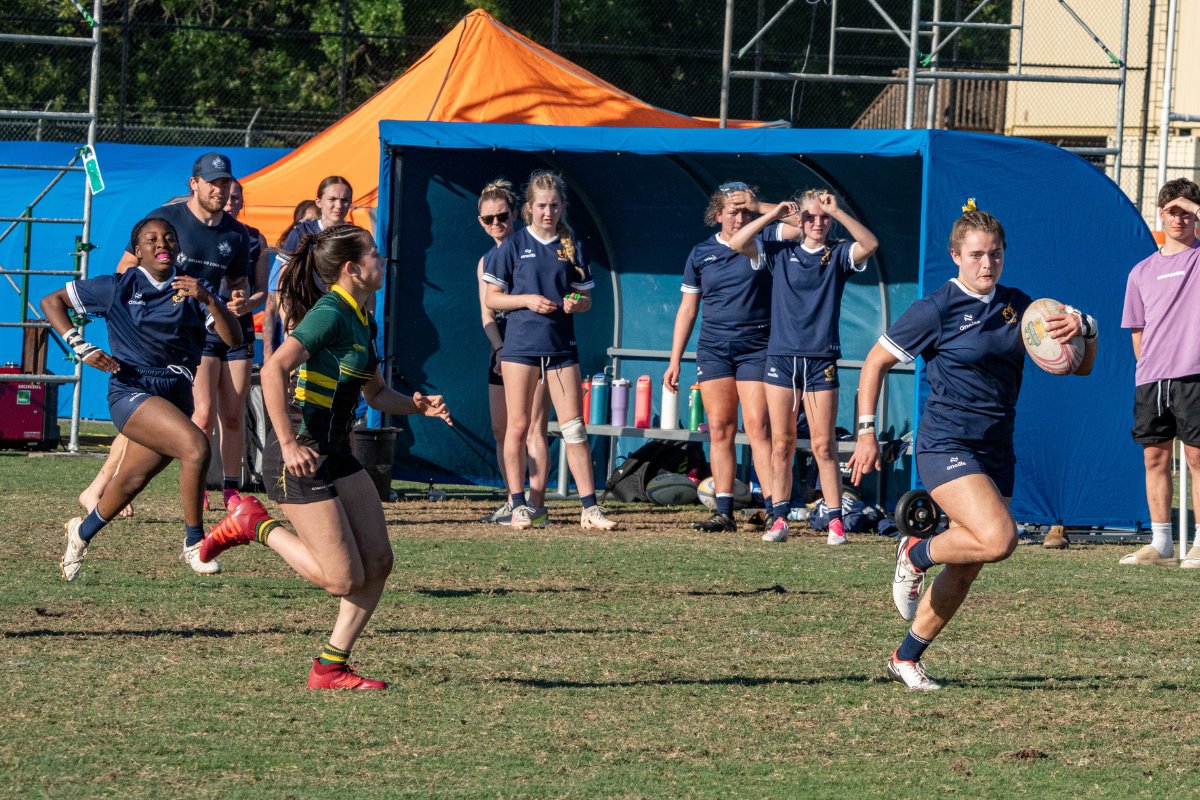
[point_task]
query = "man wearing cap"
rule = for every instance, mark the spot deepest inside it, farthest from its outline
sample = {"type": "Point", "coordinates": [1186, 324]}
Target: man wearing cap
{"type": "Point", "coordinates": [216, 248]}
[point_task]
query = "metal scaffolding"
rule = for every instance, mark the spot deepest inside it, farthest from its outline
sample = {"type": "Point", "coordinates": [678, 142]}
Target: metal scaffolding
{"type": "Point", "coordinates": [30, 318]}
{"type": "Point", "coordinates": [922, 66]}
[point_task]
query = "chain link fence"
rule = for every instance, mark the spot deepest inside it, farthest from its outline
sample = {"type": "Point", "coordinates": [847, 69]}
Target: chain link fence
{"type": "Point", "coordinates": [274, 72]}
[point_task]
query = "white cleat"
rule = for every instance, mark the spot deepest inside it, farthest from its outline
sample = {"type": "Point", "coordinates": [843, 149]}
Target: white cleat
{"type": "Point", "coordinates": [907, 583]}
{"type": "Point", "coordinates": [191, 557]}
{"type": "Point", "coordinates": [778, 532]}
{"type": "Point", "coordinates": [501, 516]}
{"type": "Point", "coordinates": [522, 518]}
{"type": "Point", "coordinates": [912, 674]}
{"type": "Point", "coordinates": [837, 533]}
{"type": "Point", "coordinates": [595, 518]}
{"type": "Point", "coordinates": [75, 550]}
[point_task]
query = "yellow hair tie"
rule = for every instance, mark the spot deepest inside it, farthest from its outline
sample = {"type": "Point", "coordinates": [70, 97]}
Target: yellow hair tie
{"type": "Point", "coordinates": [970, 206]}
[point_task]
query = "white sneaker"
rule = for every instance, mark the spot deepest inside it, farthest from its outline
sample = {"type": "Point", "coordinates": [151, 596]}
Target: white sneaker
{"type": "Point", "coordinates": [522, 518]}
{"type": "Point", "coordinates": [907, 583]}
{"type": "Point", "coordinates": [541, 516]}
{"type": "Point", "coordinates": [191, 557]}
{"type": "Point", "coordinates": [912, 674]}
{"type": "Point", "coordinates": [837, 533]}
{"type": "Point", "coordinates": [594, 518]}
{"type": "Point", "coordinates": [778, 532]}
{"type": "Point", "coordinates": [74, 551]}
{"type": "Point", "coordinates": [501, 516]}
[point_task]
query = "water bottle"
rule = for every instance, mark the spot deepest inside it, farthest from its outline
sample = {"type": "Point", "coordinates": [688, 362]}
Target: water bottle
{"type": "Point", "coordinates": [641, 403]}
{"type": "Point", "coordinates": [619, 404]}
{"type": "Point", "coordinates": [586, 405]}
{"type": "Point", "coordinates": [670, 410]}
{"type": "Point", "coordinates": [598, 415]}
{"type": "Point", "coordinates": [696, 409]}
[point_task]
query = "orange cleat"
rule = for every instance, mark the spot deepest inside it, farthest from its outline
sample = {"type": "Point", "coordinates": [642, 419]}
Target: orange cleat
{"type": "Point", "coordinates": [238, 527]}
{"type": "Point", "coordinates": [339, 676]}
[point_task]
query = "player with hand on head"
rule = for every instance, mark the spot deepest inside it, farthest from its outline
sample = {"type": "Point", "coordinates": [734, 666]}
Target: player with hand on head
{"type": "Point", "coordinates": [808, 277]}
{"type": "Point", "coordinates": [969, 333]}
{"type": "Point", "coordinates": [157, 324]}
{"type": "Point", "coordinates": [731, 352]}
{"type": "Point", "coordinates": [540, 278]}
{"type": "Point", "coordinates": [340, 541]}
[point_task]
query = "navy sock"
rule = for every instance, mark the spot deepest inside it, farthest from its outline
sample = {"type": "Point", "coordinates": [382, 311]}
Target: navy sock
{"type": "Point", "coordinates": [725, 504]}
{"type": "Point", "coordinates": [517, 499]}
{"type": "Point", "coordinates": [912, 648]}
{"type": "Point", "coordinates": [194, 534]}
{"type": "Point", "coordinates": [918, 554]}
{"type": "Point", "coordinates": [767, 503]}
{"type": "Point", "coordinates": [781, 510]}
{"type": "Point", "coordinates": [230, 484]}
{"type": "Point", "coordinates": [92, 524]}
{"type": "Point", "coordinates": [588, 500]}
{"type": "Point", "coordinates": [835, 513]}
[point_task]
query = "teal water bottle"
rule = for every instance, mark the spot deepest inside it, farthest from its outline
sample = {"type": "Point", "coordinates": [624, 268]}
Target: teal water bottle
{"type": "Point", "coordinates": [696, 410]}
{"type": "Point", "coordinates": [598, 413]}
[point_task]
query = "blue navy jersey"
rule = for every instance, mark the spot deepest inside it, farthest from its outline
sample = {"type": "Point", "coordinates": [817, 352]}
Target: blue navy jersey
{"type": "Point", "coordinates": [973, 355]}
{"type": "Point", "coordinates": [736, 291]}
{"type": "Point", "coordinates": [255, 251]}
{"type": "Point", "coordinates": [806, 296]}
{"type": "Point", "coordinates": [210, 253]}
{"type": "Point", "coordinates": [500, 317]}
{"type": "Point", "coordinates": [308, 227]}
{"type": "Point", "coordinates": [150, 324]}
{"type": "Point", "coordinates": [526, 265]}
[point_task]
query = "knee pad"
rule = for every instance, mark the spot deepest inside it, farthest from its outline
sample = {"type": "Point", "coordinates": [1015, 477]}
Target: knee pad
{"type": "Point", "coordinates": [573, 431]}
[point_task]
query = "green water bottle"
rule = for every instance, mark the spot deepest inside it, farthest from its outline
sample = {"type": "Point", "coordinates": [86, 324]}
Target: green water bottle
{"type": "Point", "coordinates": [696, 410]}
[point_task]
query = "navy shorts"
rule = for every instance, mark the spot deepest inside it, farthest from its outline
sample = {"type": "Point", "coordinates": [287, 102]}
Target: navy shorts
{"type": "Point", "coordinates": [283, 487]}
{"type": "Point", "coordinates": [802, 373]}
{"type": "Point", "coordinates": [943, 463]}
{"type": "Point", "coordinates": [494, 376]}
{"type": "Point", "coordinates": [741, 359]}
{"type": "Point", "coordinates": [545, 362]}
{"type": "Point", "coordinates": [131, 387]}
{"type": "Point", "coordinates": [215, 347]}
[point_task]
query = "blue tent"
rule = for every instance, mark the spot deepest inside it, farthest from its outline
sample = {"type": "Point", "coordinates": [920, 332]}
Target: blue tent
{"type": "Point", "coordinates": [637, 197]}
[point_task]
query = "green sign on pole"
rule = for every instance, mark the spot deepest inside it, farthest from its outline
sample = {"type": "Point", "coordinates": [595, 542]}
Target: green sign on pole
{"type": "Point", "coordinates": [92, 167]}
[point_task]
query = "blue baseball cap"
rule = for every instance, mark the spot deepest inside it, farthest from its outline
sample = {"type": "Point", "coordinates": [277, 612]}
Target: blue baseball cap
{"type": "Point", "coordinates": [212, 166]}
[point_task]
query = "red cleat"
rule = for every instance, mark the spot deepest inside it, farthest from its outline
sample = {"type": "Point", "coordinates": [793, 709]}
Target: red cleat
{"type": "Point", "coordinates": [238, 527]}
{"type": "Point", "coordinates": [339, 676]}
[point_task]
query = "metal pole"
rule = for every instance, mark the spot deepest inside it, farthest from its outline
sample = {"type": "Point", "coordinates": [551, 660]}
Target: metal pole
{"type": "Point", "coordinates": [726, 58]}
{"type": "Point", "coordinates": [124, 69]}
{"type": "Point", "coordinates": [1121, 93]}
{"type": "Point", "coordinates": [833, 9]}
{"type": "Point", "coordinates": [910, 100]}
{"type": "Point", "coordinates": [250, 127]}
{"type": "Point", "coordinates": [28, 253]}
{"type": "Point", "coordinates": [931, 106]}
{"type": "Point", "coordinates": [1021, 39]}
{"type": "Point", "coordinates": [342, 68]}
{"type": "Point", "coordinates": [1141, 179]}
{"type": "Point", "coordinates": [1164, 120]}
{"type": "Point", "coordinates": [757, 64]}
{"type": "Point", "coordinates": [1183, 500]}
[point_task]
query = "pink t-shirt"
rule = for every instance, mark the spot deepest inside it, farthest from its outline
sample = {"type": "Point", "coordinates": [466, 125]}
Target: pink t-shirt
{"type": "Point", "coordinates": [1162, 297]}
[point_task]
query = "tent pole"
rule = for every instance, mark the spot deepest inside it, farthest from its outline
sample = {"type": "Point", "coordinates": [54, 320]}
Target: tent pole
{"type": "Point", "coordinates": [726, 58]}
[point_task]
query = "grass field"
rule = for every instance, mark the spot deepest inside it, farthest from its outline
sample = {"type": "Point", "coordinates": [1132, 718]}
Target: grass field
{"type": "Point", "coordinates": [646, 663]}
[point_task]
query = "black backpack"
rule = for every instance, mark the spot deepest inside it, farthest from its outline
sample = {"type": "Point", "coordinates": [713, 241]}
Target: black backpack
{"type": "Point", "coordinates": [628, 481]}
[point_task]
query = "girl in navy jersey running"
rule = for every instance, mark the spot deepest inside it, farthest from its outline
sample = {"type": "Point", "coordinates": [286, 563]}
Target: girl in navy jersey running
{"type": "Point", "coordinates": [157, 324]}
{"type": "Point", "coordinates": [808, 276]}
{"type": "Point", "coordinates": [497, 216]}
{"type": "Point", "coordinates": [968, 332]}
{"type": "Point", "coordinates": [541, 278]}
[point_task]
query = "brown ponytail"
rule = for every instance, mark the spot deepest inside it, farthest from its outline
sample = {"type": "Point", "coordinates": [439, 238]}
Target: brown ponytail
{"type": "Point", "coordinates": [316, 265]}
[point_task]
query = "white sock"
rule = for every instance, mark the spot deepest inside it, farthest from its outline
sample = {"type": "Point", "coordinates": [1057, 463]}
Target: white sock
{"type": "Point", "coordinates": [1162, 538]}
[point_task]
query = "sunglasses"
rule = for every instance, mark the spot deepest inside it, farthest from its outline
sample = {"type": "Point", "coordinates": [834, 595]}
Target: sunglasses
{"type": "Point", "coordinates": [489, 219]}
{"type": "Point", "coordinates": [733, 186]}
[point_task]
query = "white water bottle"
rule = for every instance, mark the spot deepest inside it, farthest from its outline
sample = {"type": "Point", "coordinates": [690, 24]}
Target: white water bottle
{"type": "Point", "coordinates": [670, 410]}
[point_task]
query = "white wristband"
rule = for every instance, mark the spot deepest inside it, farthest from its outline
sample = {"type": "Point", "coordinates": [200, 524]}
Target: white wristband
{"type": "Point", "coordinates": [866, 418]}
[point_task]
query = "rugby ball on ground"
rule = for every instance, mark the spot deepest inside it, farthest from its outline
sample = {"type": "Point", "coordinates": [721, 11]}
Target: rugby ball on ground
{"type": "Point", "coordinates": [708, 495]}
{"type": "Point", "coordinates": [1053, 355]}
{"type": "Point", "coordinates": [671, 489]}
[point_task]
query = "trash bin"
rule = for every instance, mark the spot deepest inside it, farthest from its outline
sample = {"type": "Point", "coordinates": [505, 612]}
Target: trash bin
{"type": "Point", "coordinates": [375, 449]}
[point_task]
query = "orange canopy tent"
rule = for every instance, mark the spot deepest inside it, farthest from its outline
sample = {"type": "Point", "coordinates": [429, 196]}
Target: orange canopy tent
{"type": "Point", "coordinates": [482, 71]}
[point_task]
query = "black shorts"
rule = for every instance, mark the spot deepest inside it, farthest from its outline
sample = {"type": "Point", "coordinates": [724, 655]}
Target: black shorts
{"type": "Point", "coordinates": [215, 347]}
{"type": "Point", "coordinates": [283, 487]}
{"type": "Point", "coordinates": [1166, 410]}
{"type": "Point", "coordinates": [743, 359]}
{"type": "Point", "coordinates": [494, 376]}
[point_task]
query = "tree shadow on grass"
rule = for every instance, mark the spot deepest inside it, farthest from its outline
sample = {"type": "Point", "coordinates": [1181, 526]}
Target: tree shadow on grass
{"type": "Point", "coordinates": [748, 681]}
{"type": "Point", "coordinates": [222, 633]}
{"type": "Point", "coordinates": [500, 591]}
{"type": "Point", "coordinates": [1049, 683]}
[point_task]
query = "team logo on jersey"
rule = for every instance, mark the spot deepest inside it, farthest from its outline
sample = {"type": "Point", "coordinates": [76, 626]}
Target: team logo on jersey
{"type": "Point", "coordinates": [137, 300]}
{"type": "Point", "coordinates": [969, 321]}
{"type": "Point", "coordinates": [793, 259]}
{"type": "Point", "coordinates": [831, 373]}
{"type": "Point", "coordinates": [709, 260]}
{"type": "Point", "coordinates": [179, 296]}
{"type": "Point", "coordinates": [528, 253]}
{"type": "Point", "coordinates": [181, 258]}
{"type": "Point", "coordinates": [225, 248]}
{"type": "Point", "coordinates": [1010, 314]}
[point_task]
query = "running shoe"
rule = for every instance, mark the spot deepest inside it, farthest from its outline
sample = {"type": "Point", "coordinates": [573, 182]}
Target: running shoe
{"type": "Point", "coordinates": [908, 582]}
{"type": "Point", "coordinates": [755, 522]}
{"type": "Point", "coordinates": [191, 557]}
{"type": "Point", "coordinates": [75, 550]}
{"type": "Point", "coordinates": [238, 527]}
{"type": "Point", "coordinates": [595, 518]}
{"type": "Point", "coordinates": [778, 531]}
{"type": "Point", "coordinates": [1192, 559]}
{"type": "Point", "coordinates": [522, 518]}
{"type": "Point", "coordinates": [837, 532]}
{"type": "Point", "coordinates": [717, 523]}
{"type": "Point", "coordinates": [541, 516]}
{"type": "Point", "coordinates": [501, 516]}
{"type": "Point", "coordinates": [339, 676]}
{"type": "Point", "coordinates": [912, 674]}
{"type": "Point", "coordinates": [1146, 555]}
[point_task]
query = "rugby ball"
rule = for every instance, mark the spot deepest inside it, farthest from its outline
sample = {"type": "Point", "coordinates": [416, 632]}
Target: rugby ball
{"type": "Point", "coordinates": [708, 495]}
{"type": "Point", "coordinates": [1053, 355]}
{"type": "Point", "coordinates": [671, 489]}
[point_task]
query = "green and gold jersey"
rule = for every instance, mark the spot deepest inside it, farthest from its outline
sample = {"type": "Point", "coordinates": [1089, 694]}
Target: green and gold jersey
{"type": "Point", "coordinates": [340, 340]}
